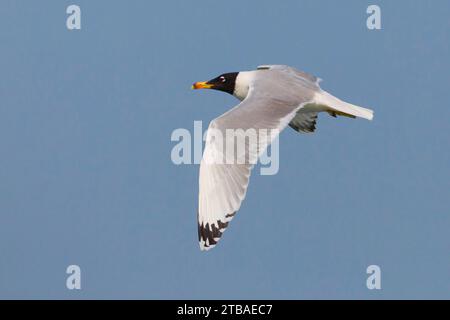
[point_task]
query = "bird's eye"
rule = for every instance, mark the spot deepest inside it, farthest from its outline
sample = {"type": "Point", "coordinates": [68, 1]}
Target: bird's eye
{"type": "Point", "coordinates": [222, 79]}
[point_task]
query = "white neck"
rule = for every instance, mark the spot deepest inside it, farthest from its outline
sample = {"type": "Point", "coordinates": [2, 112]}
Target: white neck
{"type": "Point", "coordinates": [242, 84]}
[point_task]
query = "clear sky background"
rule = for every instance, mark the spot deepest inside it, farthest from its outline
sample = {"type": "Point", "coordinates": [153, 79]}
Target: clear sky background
{"type": "Point", "coordinates": [86, 176]}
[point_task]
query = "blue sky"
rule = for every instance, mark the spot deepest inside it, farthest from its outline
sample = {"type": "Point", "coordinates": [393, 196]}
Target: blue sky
{"type": "Point", "coordinates": [86, 175]}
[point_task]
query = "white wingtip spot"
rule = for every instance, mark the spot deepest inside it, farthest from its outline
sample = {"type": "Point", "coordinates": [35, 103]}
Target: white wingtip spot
{"type": "Point", "coordinates": [205, 247]}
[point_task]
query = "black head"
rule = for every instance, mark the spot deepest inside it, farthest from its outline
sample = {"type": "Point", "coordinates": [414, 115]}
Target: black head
{"type": "Point", "coordinates": [225, 82]}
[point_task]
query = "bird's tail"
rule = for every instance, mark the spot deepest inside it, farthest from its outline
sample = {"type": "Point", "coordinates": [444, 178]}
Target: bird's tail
{"type": "Point", "coordinates": [336, 107]}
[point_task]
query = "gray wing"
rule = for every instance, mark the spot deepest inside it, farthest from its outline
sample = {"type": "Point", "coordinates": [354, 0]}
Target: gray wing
{"type": "Point", "coordinates": [223, 183]}
{"type": "Point", "coordinates": [306, 118]}
{"type": "Point", "coordinates": [304, 122]}
{"type": "Point", "coordinates": [294, 72]}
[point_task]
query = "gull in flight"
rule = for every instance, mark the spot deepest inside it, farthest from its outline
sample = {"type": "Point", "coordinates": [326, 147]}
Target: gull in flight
{"type": "Point", "coordinates": [272, 97]}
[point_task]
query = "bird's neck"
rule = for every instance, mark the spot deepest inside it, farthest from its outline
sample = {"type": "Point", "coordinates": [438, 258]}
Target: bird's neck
{"type": "Point", "coordinates": [242, 84]}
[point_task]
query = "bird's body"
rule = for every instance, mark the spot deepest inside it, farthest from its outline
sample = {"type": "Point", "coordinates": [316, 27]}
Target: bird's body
{"type": "Point", "coordinates": [273, 97]}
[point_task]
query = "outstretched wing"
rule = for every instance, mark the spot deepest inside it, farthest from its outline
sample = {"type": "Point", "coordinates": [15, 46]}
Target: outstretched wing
{"type": "Point", "coordinates": [225, 168]}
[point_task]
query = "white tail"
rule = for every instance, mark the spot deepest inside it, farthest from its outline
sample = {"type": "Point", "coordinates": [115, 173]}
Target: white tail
{"type": "Point", "coordinates": [336, 105]}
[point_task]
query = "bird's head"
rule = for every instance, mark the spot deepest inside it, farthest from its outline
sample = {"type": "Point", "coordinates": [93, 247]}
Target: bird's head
{"type": "Point", "coordinates": [225, 82]}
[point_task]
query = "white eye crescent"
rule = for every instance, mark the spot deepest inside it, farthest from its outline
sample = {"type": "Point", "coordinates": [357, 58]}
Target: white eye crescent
{"type": "Point", "coordinates": [222, 79]}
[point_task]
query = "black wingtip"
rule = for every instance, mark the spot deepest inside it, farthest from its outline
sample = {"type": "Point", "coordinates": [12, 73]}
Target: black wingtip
{"type": "Point", "coordinates": [210, 234]}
